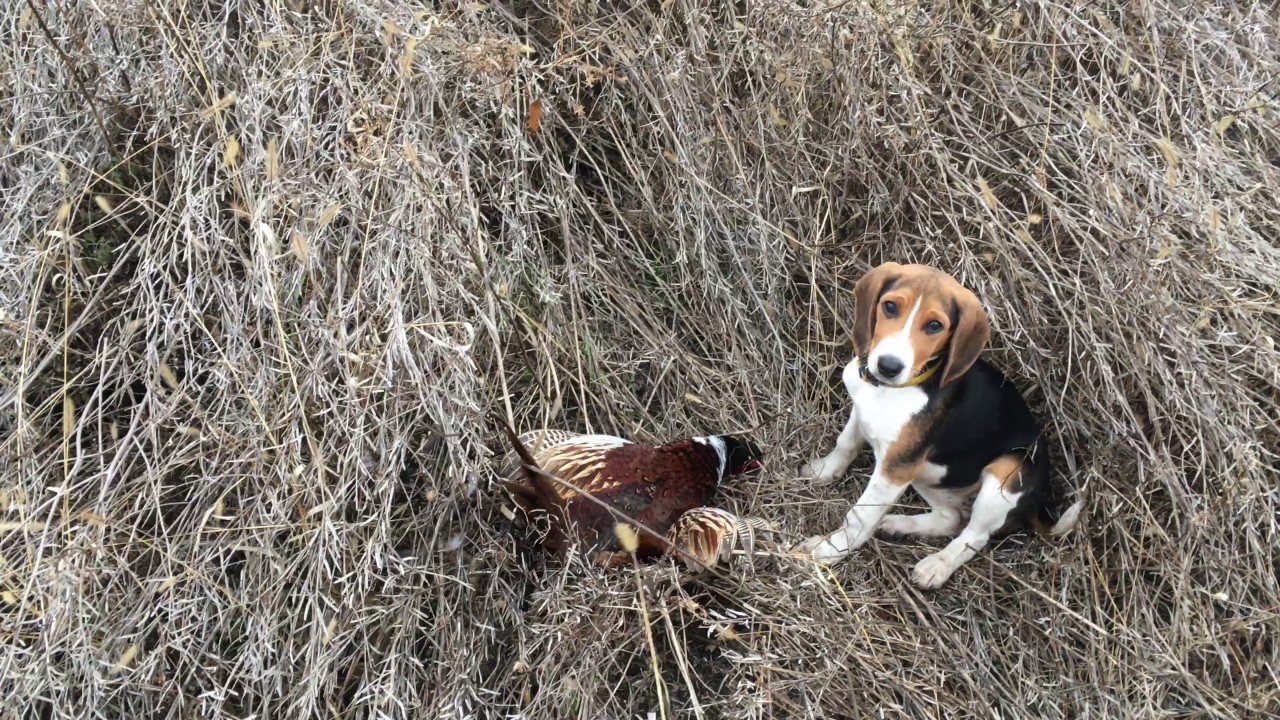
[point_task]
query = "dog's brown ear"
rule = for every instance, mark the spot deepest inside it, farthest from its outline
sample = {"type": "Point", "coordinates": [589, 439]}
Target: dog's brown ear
{"type": "Point", "coordinates": [969, 336]}
{"type": "Point", "coordinates": [866, 296]}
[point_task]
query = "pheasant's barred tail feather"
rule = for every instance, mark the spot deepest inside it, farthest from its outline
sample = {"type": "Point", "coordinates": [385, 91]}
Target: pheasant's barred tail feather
{"type": "Point", "coordinates": [746, 528]}
{"type": "Point", "coordinates": [711, 535]}
{"type": "Point", "coordinates": [544, 488]}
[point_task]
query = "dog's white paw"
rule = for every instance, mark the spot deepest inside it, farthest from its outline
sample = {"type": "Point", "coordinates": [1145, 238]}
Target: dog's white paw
{"type": "Point", "coordinates": [933, 571]}
{"type": "Point", "coordinates": [820, 469]}
{"type": "Point", "coordinates": [896, 525]}
{"type": "Point", "coordinates": [822, 548]}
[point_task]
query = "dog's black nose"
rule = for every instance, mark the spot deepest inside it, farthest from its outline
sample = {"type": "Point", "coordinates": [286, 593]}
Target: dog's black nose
{"type": "Point", "coordinates": [889, 366]}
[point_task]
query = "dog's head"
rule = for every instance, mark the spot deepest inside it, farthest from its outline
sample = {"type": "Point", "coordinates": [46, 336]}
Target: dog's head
{"type": "Point", "coordinates": [908, 316]}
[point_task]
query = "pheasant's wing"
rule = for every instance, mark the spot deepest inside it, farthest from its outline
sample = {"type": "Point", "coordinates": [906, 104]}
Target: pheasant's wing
{"type": "Point", "coordinates": [537, 441]}
{"type": "Point", "coordinates": [710, 535]}
{"type": "Point", "coordinates": [546, 437]}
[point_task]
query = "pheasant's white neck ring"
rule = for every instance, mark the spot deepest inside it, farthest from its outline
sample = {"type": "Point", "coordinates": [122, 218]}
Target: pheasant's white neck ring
{"type": "Point", "coordinates": [722, 452]}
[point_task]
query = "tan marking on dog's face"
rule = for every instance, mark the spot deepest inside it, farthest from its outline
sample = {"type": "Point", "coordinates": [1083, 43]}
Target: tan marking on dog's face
{"type": "Point", "coordinates": [1008, 469]}
{"type": "Point", "coordinates": [923, 309]}
{"type": "Point", "coordinates": [919, 302]}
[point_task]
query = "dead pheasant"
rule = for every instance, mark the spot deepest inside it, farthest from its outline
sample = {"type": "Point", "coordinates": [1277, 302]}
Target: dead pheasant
{"type": "Point", "coordinates": [666, 489]}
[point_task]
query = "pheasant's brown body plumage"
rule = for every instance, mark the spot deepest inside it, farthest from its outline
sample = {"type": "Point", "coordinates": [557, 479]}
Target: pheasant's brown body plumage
{"type": "Point", "coordinates": [654, 485]}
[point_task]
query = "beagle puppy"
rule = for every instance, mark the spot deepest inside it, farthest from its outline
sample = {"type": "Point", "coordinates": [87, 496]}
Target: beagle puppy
{"type": "Point", "coordinates": [938, 419]}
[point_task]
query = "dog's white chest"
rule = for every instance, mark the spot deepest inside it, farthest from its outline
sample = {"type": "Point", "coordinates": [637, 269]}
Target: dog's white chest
{"type": "Point", "coordinates": [882, 412]}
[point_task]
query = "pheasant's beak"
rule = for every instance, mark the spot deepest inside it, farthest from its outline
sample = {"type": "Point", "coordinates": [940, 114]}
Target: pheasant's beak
{"type": "Point", "coordinates": [752, 466]}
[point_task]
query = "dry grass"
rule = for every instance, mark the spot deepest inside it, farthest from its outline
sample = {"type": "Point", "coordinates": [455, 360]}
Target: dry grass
{"type": "Point", "coordinates": [266, 269]}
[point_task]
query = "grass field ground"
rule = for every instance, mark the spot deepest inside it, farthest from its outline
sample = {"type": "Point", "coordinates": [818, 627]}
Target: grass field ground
{"type": "Point", "coordinates": [265, 269]}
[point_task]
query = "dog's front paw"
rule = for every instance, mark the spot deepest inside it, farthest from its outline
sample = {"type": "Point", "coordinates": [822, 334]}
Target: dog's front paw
{"type": "Point", "coordinates": [826, 549]}
{"type": "Point", "coordinates": [896, 525]}
{"type": "Point", "coordinates": [933, 571]}
{"type": "Point", "coordinates": [821, 469]}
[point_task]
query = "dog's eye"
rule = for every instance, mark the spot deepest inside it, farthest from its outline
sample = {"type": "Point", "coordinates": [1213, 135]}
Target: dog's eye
{"type": "Point", "coordinates": [890, 308]}
{"type": "Point", "coordinates": [933, 327]}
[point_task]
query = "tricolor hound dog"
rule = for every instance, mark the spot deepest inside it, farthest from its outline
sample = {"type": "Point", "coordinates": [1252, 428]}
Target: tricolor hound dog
{"type": "Point", "coordinates": [939, 419]}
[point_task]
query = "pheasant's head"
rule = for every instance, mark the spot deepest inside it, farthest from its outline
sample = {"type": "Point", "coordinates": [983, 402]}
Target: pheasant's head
{"type": "Point", "coordinates": [741, 455]}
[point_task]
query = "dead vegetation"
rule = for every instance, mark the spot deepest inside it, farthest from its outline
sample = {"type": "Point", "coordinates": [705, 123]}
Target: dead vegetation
{"type": "Point", "coordinates": [266, 267]}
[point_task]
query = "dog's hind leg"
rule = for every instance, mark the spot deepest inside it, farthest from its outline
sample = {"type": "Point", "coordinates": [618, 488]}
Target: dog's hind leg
{"type": "Point", "coordinates": [997, 498]}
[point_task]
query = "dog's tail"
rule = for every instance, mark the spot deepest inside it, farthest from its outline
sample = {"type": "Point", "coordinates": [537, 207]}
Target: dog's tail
{"type": "Point", "coordinates": [1047, 525]}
